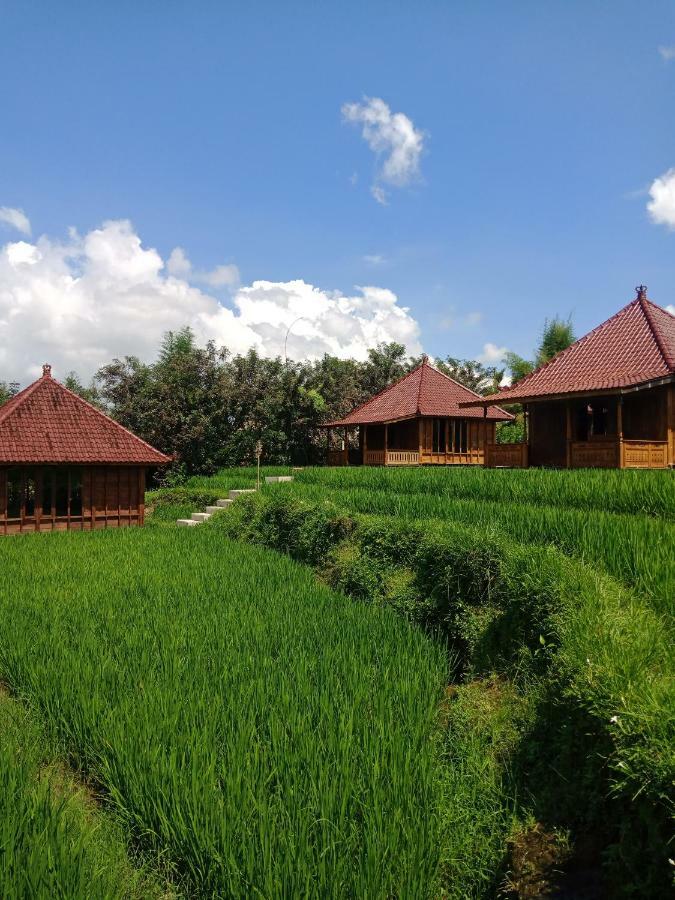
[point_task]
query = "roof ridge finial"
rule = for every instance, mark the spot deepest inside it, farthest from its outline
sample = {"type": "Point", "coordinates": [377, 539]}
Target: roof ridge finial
{"type": "Point", "coordinates": [425, 359]}
{"type": "Point", "coordinates": [641, 291]}
{"type": "Point", "coordinates": [46, 371]}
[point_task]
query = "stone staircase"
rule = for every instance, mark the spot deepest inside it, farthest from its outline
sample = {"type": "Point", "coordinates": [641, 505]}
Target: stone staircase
{"type": "Point", "coordinates": [199, 517]}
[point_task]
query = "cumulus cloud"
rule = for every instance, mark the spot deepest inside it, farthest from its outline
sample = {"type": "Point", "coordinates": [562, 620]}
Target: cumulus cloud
{"type": "Point", "coordinates": [80, 302]}
{"type": "Point", "coordinates": [661, 205]}
{"type": "Point", "coordinates": [15, 218]}
{"type": "Point", "coordinates": [492, 354]}
{"type": "Point", "coordinates": [394, 139]}
{"type": "Point", "coordinates": [180, 266]}
{"type": "Point", "coordinates": [667, 53]}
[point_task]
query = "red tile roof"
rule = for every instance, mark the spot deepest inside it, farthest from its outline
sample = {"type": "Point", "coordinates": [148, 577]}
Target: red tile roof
{"type": "Point", "coordinates": [47, 423]}
{"type": "Point", "coordinates": [635, 346]}
{"type": "Point", "coordinates": [423, 392]}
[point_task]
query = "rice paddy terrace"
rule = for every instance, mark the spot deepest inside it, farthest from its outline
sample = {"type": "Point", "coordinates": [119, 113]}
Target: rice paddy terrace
{"type": "Point", "coordinates": [480, 677]}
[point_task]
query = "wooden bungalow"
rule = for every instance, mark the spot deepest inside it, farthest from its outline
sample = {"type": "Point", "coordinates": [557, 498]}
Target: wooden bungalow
{"type": "Point", "coordinates": [606, 401]}
{"type": "Point", "coordinates": [417, 421]}
{"type": "Point", "coordinates": [66, 465]}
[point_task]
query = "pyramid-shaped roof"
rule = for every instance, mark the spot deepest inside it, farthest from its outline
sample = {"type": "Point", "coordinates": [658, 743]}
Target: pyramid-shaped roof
{"type": "Point", "coordinates": [423, 392]}
{"type": "Point", "coordinates": [634, 347]}
{"type": "Point", "coordinates": [48, 424]}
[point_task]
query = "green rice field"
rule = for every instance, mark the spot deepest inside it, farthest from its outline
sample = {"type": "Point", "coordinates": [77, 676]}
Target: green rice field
{"type": "Point", "coordinates": [481, 673]}
{"type": "Point", "coordinates": [255, 732]}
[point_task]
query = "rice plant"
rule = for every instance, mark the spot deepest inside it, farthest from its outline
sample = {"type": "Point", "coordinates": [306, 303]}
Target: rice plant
{"type": "Point", "coordinates": [265, 735]}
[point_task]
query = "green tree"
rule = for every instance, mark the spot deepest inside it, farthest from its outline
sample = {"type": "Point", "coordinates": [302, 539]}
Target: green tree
{"type": "Point", "coordinates": [90, 394]}
{"type": "Point", "coordinates": [557, 335]}
{"type": "Point", "coordinates": [8, 390]}
{"type": "Point", "coordinates": [472, 374]}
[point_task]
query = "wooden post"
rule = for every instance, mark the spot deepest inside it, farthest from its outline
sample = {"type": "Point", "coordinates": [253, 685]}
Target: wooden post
{"type": "Point", "coordinates": [568, 434]}
{"type": "Point", "coordinates": [420, 438]}
{"type": "Point", "coordinates": [327, 446]}
{"type": "Point", "coordinates": [619, 429]}
{"type": "Point", "coordinates": [386, 441]}
{"type": "Point", "coordinates": [670, 423]}
{"type": "Point", "coordinates": [364, 442]}
{"type": "Point", "coordinates": [345, 449]}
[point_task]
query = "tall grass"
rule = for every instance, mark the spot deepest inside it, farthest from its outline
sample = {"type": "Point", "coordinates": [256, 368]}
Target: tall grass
{"type": "Point", "coordinates": [54, 843]}
{"type": "Point", "coordinates": [634, 492]}
{"type": "Point", "coordinates": [637, 549]}
{"type": "Point", "coordinates": [267, 736]}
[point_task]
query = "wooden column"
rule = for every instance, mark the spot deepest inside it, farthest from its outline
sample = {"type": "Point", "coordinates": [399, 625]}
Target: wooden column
{"type": "Point", "coordinates": [364, 443]}
{"type": "Point", "coordinates": [670, 423]}
{"type": "Point", "coordinates": [345, 449]}
{"type": "Point", "coordinates": [619, 429]}
{"type": "Point", "coordinates": [420, 438]}
{"type": "Point", "coordinates": [386, 441]}
{"type": "Point", "coordinates": [568, 434]}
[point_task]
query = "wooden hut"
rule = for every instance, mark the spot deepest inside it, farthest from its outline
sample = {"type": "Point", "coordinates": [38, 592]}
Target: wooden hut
{"type": "Point", "coordinates": [417, 421]}
{"type": "Point", "coordinates": [606, 401]}
{"type": "Point", "coordinates": [66, 465]}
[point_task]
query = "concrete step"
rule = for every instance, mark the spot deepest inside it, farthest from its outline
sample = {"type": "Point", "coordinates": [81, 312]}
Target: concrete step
{"type": "Point", "coordinates": [212, 509]}
{"type": "Point", "coordinates": [223, 503]}
{"type": "Point", "coordinates": [234, 494]}
{"type": "Point", "coordinates": [201, 517]}
{"type": "Point", "coordinates": [275, 479]}
{"type": "Point", "coordinates": [186, 523]}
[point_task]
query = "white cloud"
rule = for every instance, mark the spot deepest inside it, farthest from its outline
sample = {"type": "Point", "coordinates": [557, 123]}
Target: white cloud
{"type": "Point", "coordinates": [380, 194]}
{"type": "Point", "coordinates": [15, 218]}
{"type": "Point", "coordinates": [81, 302]}
{"type": "Point", "coordinates": [667, 53]}
{"type": "Point", "coordinates": [180, 266]}
{"type": "Point", "coordinates": [661, 206]}
{"type": "Point", "coordinates": [374, 259]}
{"type": "Point", "coordinates": [394, 139]}
{"type": "Point", "coordinates": [492, 354]}
{"type": "Point", "coordinates": [671, 309]}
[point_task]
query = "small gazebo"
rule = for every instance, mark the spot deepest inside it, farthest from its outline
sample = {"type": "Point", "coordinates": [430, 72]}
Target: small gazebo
{"type": "Point", "coordinates": [66, 465]}
{"type": "Point", "coordinates": [417, 421]}
{"type": "Point", "coordinates": [607, 401]}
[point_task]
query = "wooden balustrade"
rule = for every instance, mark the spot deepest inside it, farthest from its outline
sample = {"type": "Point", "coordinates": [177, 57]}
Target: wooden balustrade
{"type": "Point", "coordinates": [337, 457]}
{"type": "Point", "coordinates": [374, 458]}
{"type": "Point", "coordinates": [402, 458]}
{"type": "Point", "coordinates": [510, 456]}
{"type": "Point", "coordinates": [644, 454]}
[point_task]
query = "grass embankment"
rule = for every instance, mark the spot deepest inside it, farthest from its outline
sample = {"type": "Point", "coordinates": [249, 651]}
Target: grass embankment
{"type": "Point", "coordinates": [566, 712]}
{"type": "Point", "coordinates": [636, 545]}
{"type": "Point", "coordinates": [54, 841]}
{"type": "Point", "coordinates": [260, 733]}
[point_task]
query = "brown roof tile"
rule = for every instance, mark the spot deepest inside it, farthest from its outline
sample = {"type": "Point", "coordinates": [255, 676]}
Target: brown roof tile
{"type": "Point", "coordinates": [634, 346]}
{"type": "Point", "coordinates": [47, 423]}
{"type": "Point", "coordinates": [423, 392]}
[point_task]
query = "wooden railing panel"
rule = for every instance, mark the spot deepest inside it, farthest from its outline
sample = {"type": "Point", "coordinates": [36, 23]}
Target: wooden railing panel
{"type": "Point", "coordinates": [511, 456]}
{"type": "Point", "coordinates": [374, 458]}
{"type": "Point", "coordinates": [594, 454]}
{"type": "Point", "coordinates": [337, 458]}
{"type": "Point", "coordinates": [402, 458]}
{"type": "Point", "coordinates": [645, 454]}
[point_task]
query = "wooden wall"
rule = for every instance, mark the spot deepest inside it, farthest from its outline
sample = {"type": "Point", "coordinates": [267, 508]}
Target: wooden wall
{"type": "Point", "coordinates": [111, 497]}
{"type": "Point", "coordinates": [479, 432]}
{"type": "Point", "coordinates": [547, 426]}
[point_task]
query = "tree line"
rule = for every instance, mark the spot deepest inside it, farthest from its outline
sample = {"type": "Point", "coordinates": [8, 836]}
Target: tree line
{"type": "Point", "coordinates": [209, 408]}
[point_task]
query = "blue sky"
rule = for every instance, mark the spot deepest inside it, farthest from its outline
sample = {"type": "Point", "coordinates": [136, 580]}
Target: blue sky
{"type": "Point", "coordinates": [218, 128]}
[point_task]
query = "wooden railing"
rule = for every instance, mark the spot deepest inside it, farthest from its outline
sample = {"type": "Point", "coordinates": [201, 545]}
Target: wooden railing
{"type": "Point", "coordinates": [510, 456]}
{"type": "Point", "coordinates": [644, 454]}
{"type": "Point", "coordinates": [402, 458]}
{"type": "Point", "coordinates": [598, 454]}
{"type": "Point", "coordinates": [337, 458]}
{"type": "Point", "coordinates": [373, 458]}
